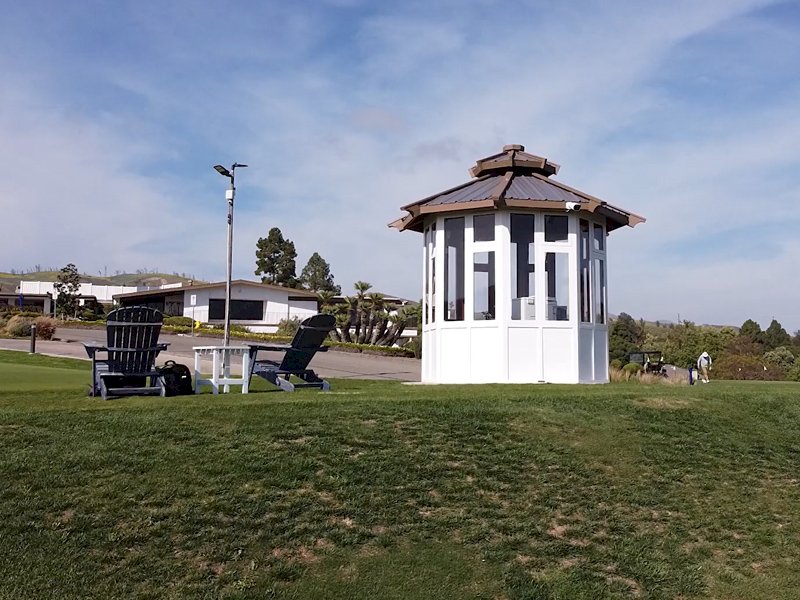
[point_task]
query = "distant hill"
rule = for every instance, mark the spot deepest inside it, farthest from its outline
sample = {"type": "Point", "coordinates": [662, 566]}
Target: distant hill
{"type": "Point", "coordinates": [9, 282]}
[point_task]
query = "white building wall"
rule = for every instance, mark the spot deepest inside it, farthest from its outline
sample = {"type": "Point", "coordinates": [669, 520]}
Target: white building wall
{"type": "Point", "coordinates": [103, 293]}
{"type": "Point", "coordinates": [277, 305]}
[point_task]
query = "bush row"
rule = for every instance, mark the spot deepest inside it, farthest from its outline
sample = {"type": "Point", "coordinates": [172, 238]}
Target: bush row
{"type": "Point", "coordinates": [19, 325]}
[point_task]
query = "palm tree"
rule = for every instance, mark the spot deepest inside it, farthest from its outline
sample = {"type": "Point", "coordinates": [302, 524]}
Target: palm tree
{"type": "Point", "coordinates": [325, 299]}
{"type": "Point", "coordinates": [360, 316]}
{"type": "Point", "coordinates": [377, 304]}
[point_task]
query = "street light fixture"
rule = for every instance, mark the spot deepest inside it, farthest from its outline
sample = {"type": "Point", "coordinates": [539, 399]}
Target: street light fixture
{"type": "Point", "coordinates": [229, 196]}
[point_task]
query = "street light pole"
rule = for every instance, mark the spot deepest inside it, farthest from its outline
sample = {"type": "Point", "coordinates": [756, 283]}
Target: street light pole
{"type": "Point", "coordinates": [230, 194]}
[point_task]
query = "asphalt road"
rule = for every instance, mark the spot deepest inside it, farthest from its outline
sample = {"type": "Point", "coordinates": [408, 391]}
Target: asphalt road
{"type": "Point", "coordinates": [338, 364]}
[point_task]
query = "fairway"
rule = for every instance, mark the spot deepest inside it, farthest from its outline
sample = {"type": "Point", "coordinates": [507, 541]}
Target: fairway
{"type": "Point", "coordinates": [382, 490]}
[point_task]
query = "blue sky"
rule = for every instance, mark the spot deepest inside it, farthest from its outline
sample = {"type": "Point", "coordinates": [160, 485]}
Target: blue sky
{"type": "Point", "coordinates": [688, 113]}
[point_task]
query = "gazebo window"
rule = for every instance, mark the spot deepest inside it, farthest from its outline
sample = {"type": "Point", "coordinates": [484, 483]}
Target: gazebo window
{"type": "Point", "coordinates": [483, 228]}
{"type": "Point", "coordinates": [432, 266]}
{"type": "Point", "coordinates": [599, 276]}
{"type": "Point", "coordinates": [556, 267]}
{"type": "Point", "coordinates": [454, 269]}
{"type": "Point", "coordinates": [426, 265]}
{"type": "Point", "coordinates": [599, 238]}
{"type": "Point", "coordinates": [585, 268]}
{"type": "Point", "coordinates": [523, 268]}
{"type": "Point", "coordinates": [556, 228]}
{"type": "Point", "coordinates": [483, 279]}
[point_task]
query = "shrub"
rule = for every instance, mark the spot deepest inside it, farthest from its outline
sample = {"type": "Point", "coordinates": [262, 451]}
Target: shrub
{"type": "Point", "coordinates": [632, 368]}
{"type": "Point", "coordinates": [19, 326]}
{"type": "Point", "coordinates": [616, 364]}
{"type": "Point", "coordinates": [45, 328]}
{"type": "Point", "coordinates": [177, 329]}
{"type": "Point", "coordinates": [178, 321]}
{"type": "Point", "coordinates": [87, 314]}
{"type": "Point", "coordinates": [780, 357]}
{"type": "Point", "coordinates": [794, 373]}
{"type": "Point", "coordinates": [743, 366]}
{"type": "Point", "coordinates": [415, 345]}
{"type": "Point", "coordinates": [288, 327]}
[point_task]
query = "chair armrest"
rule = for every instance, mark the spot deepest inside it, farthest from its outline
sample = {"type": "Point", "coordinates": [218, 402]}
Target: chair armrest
{"type": "Point", "coordinates": [93, 347]}
{"type": "Point", "coordinates": [274, 347]}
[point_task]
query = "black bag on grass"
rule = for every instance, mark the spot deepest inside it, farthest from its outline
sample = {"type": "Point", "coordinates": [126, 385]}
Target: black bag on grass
{"type": "Point", "coordinates": [177, 378]}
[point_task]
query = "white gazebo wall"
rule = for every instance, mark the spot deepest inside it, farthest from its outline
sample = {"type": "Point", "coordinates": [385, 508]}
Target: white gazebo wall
{"type": "Point", "coordinates": [505, 349]}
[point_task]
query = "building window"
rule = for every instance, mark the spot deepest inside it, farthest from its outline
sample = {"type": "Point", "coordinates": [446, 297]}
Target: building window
{"type": "Point", "coordinates": [556, 267]}
{"type": "Point", "coordinates": [483, 279]}
{"type": "Point", "coordinates": [585, 266]}
{"type": "Point", "coordinates": [556, 228]}
{"type": "Point", "coordinates": [599, 277]}
{"type": "Point", "coordinates": [523, 268]}
{"type": "Point", "coordinates": [454, 269]}
{"type": "Point", "coordinates": [241, 310]}
{"type": "Point", "coordinates": [483, 228]}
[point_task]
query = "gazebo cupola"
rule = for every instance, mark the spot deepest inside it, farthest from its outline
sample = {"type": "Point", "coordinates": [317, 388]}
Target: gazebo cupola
{"type": "Point", "coordinates": [514, 276]}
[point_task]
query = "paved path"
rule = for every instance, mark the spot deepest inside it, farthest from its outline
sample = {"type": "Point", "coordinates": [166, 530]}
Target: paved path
{"type": "Point", "coordinates": [337, 364]}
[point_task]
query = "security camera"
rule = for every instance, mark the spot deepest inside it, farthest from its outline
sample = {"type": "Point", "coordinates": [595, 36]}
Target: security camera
{"type": "Point", "coordinates": [573, 206]}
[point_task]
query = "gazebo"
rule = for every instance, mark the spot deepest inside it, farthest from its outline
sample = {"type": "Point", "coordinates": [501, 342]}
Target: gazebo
{"type": "Point", "coordinates": [514, 276]}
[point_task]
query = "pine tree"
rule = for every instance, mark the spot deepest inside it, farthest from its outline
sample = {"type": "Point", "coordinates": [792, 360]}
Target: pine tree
{"type": "Point", "coordinates": [624, 336]}
{"type": "Point", "coordinates": [275, 259]}
{"type": "Point", "coordinates": [752, 330]}
{"type": "Point", "coordinates": [776, 336]}
{"type": "Point", "coordinates": [67, 286]}
{"type": "Point", "coordinates": [317, 275]}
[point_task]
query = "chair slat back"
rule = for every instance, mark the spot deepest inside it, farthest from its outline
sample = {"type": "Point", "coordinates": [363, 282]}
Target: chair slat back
{"type": "Point", "coordinates": [132, 336]}
{"type": "Point", "coordinates": [308, 339]}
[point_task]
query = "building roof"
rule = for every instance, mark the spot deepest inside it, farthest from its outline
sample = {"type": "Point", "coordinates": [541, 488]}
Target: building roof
{"type": "Point", "coordinates": [295, 293]}
{"type": "Point", "coordinates": [512, 178]}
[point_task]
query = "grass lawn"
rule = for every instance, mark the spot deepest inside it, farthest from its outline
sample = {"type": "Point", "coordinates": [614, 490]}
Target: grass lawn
{"type": "Point", "coordinates": [381, 490]}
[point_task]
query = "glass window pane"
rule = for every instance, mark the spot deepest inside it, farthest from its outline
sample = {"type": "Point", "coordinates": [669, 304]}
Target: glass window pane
{"type": "Point", "coordinates": [556, 228]}
{"type": "Point", "coordinates": [483, 228]}
{"type": "Point", "coordinates": [454, 269]}
{"type": "Point", "coordinates": [523, 280]}
{"type": "Point", "coordinates": [556, 268]}
{"type": "Point", "coordinates": [599, 276]}
{"type": "Point", "coordinates": [241, 310]}
{"type": "Point", "coordinates": [586, 296]}
{"type": "Point", "coordinates": [483, 278]}
{"type": "Point", "coordinates": [432, 263]}
{"type": "Point", "coordinates": [599, 238]}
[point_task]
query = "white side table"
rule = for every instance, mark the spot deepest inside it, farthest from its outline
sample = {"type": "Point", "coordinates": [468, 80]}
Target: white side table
{"type": "Point", "coordinates": [221, 368]}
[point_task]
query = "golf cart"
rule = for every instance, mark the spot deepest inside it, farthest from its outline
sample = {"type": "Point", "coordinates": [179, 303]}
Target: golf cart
{"type": "Point", "coordinates": [651, 360]}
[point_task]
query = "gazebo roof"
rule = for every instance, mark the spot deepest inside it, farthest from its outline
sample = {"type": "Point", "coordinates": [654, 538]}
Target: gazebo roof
{"type": "Point", "coordinates": [516, 179]}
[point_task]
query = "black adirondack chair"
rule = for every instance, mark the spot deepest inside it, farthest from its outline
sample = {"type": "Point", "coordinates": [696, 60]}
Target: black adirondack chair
{"type": "Point", "coordinates": [131, 349]}
{"type": "Point", "coordinates": [306, 343]}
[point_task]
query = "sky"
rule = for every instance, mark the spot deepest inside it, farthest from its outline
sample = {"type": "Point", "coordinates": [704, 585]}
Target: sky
{"type": "Point", "coordinates": [112, 115]}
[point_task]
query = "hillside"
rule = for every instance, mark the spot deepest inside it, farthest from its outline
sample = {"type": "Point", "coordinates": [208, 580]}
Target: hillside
{"type": "Point", "coordinates": [9, 282]}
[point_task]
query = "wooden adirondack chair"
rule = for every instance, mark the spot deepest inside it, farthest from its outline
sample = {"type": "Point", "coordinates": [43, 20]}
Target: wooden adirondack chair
{"type": "Point", "coordinates": [131, 349]}
{"type": "Point", "coordinates": [306, 343]}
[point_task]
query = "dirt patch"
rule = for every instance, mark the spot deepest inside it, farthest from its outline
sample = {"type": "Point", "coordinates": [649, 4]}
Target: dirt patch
{"type": "Point", "coordinates": [557, 531]}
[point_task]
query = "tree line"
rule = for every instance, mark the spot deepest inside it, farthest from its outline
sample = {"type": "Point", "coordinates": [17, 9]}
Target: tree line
{"type": "Point", "coordinates": [275, 263]}
{"type": "Point", "coordinates": [744, 353]}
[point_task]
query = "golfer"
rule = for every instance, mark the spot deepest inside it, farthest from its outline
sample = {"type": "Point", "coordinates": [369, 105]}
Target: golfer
{"type": "Point", "coordinates": [703, 365]}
